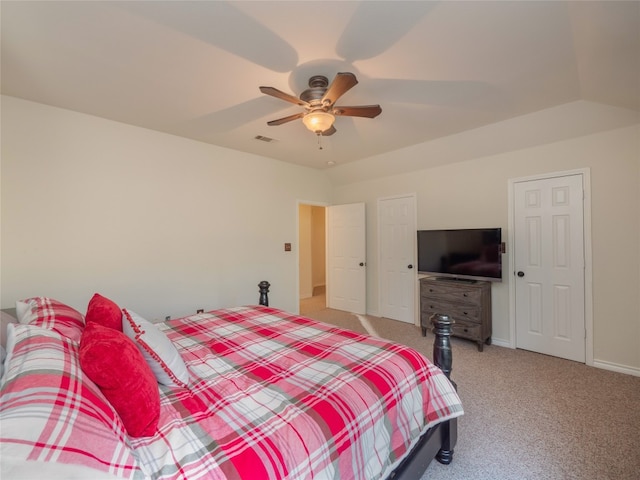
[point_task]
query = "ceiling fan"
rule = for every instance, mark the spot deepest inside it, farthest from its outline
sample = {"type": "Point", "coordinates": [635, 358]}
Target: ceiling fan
{"type": "Point", "coordinates": [319, 105]}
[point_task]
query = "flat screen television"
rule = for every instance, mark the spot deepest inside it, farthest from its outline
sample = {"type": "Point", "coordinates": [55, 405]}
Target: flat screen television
{"type": "Point", "coordinates": [466, 254]}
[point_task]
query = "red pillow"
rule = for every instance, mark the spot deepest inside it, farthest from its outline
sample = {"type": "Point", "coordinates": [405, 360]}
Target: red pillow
{"type": "Point", "coordinates": [115, 364]}
{"type": "Point", "coordinates": [105, 312]}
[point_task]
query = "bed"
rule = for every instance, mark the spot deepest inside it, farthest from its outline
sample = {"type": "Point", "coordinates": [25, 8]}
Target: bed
{"type": "Point", "coordinates": [253, 393]}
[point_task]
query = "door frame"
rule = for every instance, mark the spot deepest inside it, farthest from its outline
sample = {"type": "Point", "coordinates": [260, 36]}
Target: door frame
{"type": "Point", "coordinates": [415, 306]}
{"type": "Point", "coordinates": [297, 249]}
{"type": "Point", "coordinates": [588, 265]}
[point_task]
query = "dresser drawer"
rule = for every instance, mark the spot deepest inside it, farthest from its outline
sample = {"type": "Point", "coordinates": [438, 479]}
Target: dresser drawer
{"type": "Point", "coordinates": [451, 293]}
{"type": "Point", "coordinates": [470, 313]}
{"type": "Point", "coordinates": [429, 308]}
{"type": "Point", "coordinates": [472, 331]}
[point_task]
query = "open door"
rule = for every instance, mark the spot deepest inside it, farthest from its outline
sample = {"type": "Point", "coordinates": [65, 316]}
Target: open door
{"type": "Point", "coordinates": [346, 258]}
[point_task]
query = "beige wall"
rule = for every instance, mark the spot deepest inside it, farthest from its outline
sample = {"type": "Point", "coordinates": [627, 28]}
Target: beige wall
{"type": "Point", "coordinates": [474, 193]}
{"type": "Point", "coordinates": [162, 224]}
{"type": "Point", "coordinates": [166, 225]}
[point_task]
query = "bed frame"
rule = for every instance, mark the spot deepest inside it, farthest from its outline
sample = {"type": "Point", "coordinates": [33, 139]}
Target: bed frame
{"type": "Point", "coordinates": [439, 441]}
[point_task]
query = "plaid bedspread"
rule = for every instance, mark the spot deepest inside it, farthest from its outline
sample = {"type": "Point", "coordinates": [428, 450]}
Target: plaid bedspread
{"type": "Point", "coordinates": [278, 396]}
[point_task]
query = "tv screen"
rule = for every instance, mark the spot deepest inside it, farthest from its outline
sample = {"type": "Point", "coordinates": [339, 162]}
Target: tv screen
{"type": "Point", "coordinates": [474, 253]}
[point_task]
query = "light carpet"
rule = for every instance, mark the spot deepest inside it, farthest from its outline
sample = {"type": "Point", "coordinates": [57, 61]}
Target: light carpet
{"type": "Point", "coordinates": [527, 415]}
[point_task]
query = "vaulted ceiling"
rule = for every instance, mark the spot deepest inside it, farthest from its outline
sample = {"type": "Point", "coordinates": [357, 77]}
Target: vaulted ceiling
{"type": "Point", "coordinates": [194, 69]}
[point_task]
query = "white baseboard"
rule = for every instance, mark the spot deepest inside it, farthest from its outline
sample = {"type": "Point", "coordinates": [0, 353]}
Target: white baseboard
{"type": "Point", "coordinates": [498, 342]}
{"type": "Point", "coordinates": [615, 367]}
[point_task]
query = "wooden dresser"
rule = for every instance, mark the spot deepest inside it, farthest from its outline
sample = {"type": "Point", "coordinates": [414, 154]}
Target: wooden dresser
{"type": "Point", "coordinates": [467, 303]}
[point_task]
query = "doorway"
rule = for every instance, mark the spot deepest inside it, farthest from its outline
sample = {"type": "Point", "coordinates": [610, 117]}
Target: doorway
{"type": "Point", "coordinates": [312, 258]}
{"type": "Point", "coordinates": [550, 288]}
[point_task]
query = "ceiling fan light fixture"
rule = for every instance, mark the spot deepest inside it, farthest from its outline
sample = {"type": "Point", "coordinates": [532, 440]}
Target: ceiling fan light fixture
{"type": "Point", "coordinates": [318, 121]}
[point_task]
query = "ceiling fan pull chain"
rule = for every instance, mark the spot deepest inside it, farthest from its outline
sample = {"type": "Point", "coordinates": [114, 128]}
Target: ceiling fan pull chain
{"type": "Point", "coordinates": [319, 144]}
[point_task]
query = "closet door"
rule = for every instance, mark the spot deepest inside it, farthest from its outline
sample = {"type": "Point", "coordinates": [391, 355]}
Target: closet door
{"type": "Point", "coordinates": [550, 266]}
{"type": "Point", "coordinates": [397, 240]}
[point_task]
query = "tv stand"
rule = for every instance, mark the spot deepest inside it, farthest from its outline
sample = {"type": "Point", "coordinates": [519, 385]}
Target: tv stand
{"type": "Point", "coordinates": [468, 303]}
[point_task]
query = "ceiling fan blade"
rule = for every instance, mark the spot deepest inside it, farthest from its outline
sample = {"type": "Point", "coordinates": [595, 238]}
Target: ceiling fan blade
{"type": "Point", "coordinates": [290, 118]}
{"type": "Point", "coordinates": [369, 111]}
{"type": "Point", "coordinates": [274, 92]}
{"type": "Point", "coordinates": [340, 85]}
{"type": "Point", "coordinates": [329, 131]}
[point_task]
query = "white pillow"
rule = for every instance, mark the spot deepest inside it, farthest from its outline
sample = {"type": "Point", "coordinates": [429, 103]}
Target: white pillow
{"type": "Point", "coordinates": [23, 312]}
{"type": "Point", "coordinates": [8, 350]}
{"type": "Point", "coordinates": [161, 355]}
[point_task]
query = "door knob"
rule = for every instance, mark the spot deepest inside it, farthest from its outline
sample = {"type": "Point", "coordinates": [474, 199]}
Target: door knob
{"type": "Point", "coordinates": [409, 266]}
{"type": "Point", "coordinates": [521, 274]}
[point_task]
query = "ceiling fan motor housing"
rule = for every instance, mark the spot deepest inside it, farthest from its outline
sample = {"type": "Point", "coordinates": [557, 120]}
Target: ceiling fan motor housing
{"type": "Point", "coordinates": [317, 88]}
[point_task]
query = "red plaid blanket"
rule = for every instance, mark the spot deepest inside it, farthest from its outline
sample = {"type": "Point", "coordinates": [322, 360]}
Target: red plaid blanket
{"type": "Point", "coordinates": [273, 395]}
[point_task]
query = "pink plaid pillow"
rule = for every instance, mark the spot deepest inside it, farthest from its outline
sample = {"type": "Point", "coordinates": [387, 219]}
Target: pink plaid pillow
{"type": "Point", "coordinates": [52, 411]}
{"type": "Point", "coordinates": [51, 314]}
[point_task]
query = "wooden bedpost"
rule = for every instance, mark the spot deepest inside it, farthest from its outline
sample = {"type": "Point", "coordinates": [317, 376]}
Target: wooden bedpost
{"type": "Point", "coordinates": [440, 440]}
{"type": "Point", "coordinates": [264, 290]}
{"type": "Point", "coordinates": [442, 355]}
{"type": "Point", "coordinates": [443, 358]}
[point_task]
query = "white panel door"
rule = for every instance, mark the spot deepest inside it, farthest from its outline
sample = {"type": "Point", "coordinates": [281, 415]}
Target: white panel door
{"type": "Point", "coordinates": [346, 258]}
{"type": "Point", "coordinates": [549, 266]}
{"type": "Point", "coordinates": [397, 234]}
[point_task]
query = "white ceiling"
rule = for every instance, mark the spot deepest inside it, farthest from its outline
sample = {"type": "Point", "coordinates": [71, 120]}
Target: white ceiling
{"type": "Point", "coordinates": [436, 68]}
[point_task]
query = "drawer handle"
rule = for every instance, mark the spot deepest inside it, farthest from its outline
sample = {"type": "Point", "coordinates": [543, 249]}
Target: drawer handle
{"type": "Point", "coordinates": [465, 295]}
{"type": "Point", "coordinates": [431, 289]}
{"type": "Point", "coordinates": [466, 329]}
{"type": "Point", "coordinates": [465, 313]}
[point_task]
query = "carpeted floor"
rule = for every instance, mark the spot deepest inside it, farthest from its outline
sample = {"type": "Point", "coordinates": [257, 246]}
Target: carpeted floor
{"type": "Point", "coordinates": [527, 416]}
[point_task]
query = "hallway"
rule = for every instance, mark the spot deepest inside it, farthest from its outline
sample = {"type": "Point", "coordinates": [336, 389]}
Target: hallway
{"type": "Point", "coordinates": [315, 303]}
